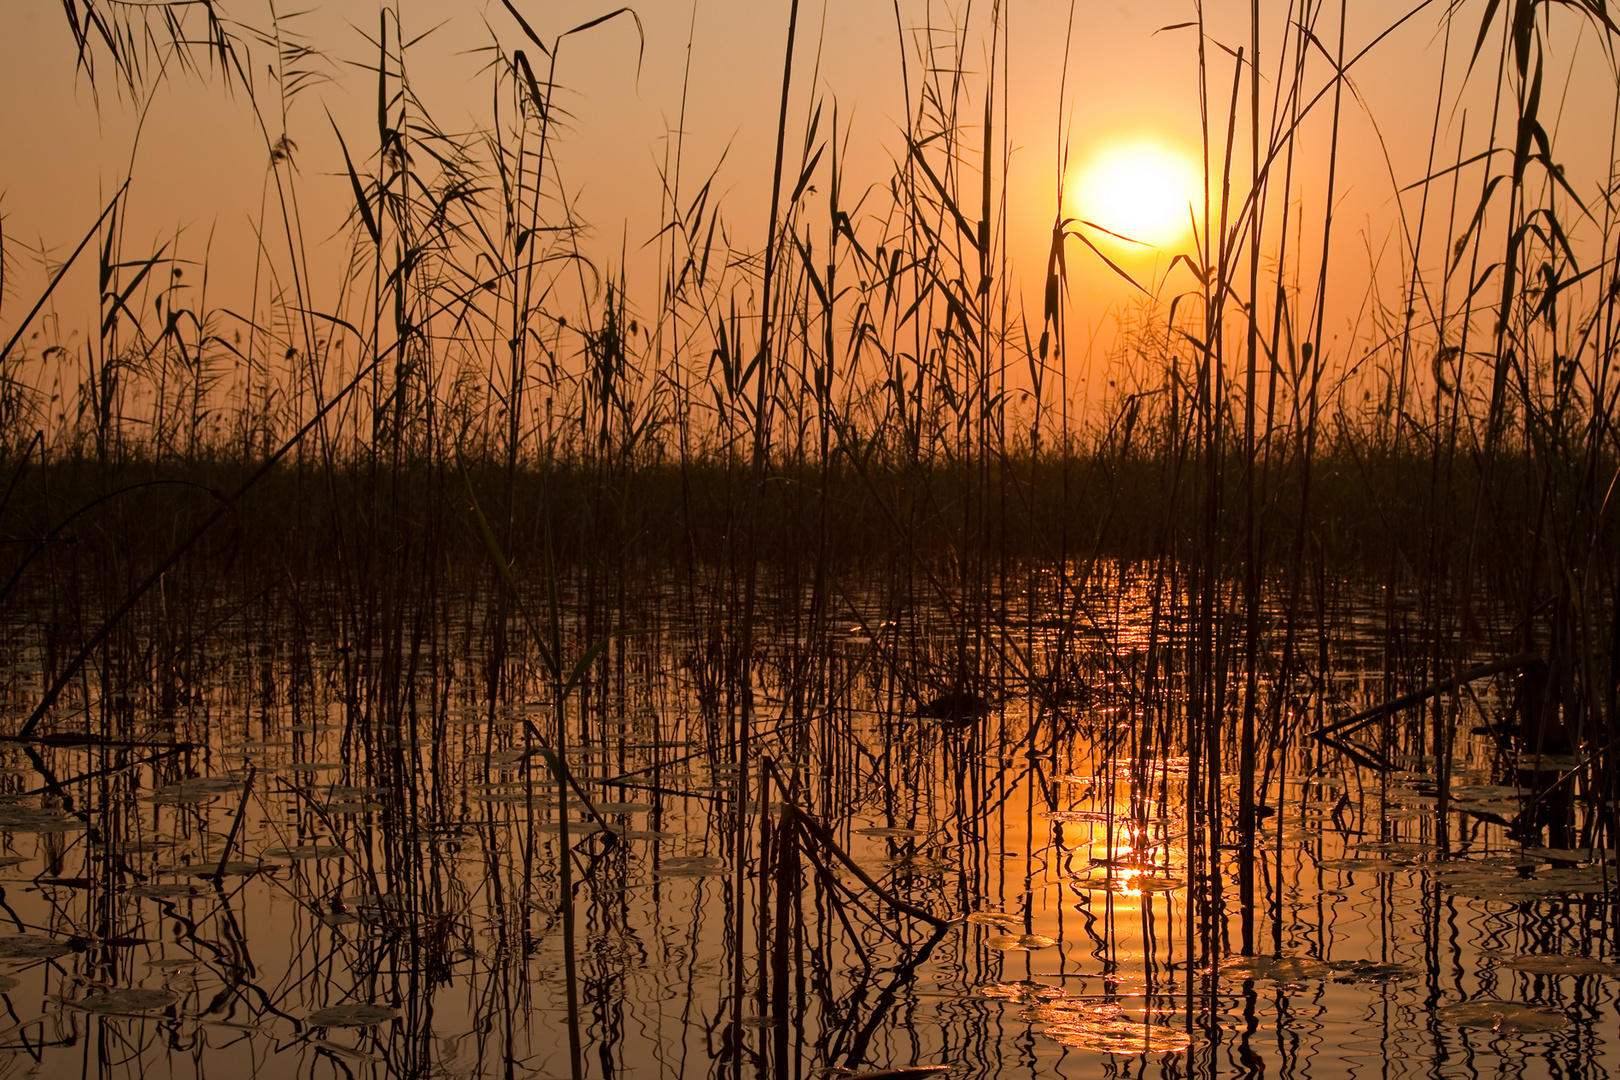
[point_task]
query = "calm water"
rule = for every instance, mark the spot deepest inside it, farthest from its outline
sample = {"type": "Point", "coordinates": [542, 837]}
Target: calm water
{"type": "Point", "coordinates": [350, 867]}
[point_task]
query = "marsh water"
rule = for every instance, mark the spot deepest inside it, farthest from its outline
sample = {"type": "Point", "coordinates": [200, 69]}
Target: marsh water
{"type": "Point", "coordinates": [305, 846]}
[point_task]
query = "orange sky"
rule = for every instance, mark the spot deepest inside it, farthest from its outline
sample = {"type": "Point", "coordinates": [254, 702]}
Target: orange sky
{"type": "Point", "coordinates": [199, 163]}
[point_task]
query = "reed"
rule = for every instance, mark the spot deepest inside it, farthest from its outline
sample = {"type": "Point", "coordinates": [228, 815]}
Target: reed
{"type": "Point", "coordinates": [844, 421]}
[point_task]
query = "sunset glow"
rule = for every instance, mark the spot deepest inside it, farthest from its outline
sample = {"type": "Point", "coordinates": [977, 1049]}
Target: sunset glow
{"type": "Point", "coordinates": [1141, 189]}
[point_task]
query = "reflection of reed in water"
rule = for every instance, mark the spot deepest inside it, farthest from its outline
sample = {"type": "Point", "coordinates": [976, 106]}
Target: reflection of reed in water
{"type": "Point", "coordinates": [281, 718]}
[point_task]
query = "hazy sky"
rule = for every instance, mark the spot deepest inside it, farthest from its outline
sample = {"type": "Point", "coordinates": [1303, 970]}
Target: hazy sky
{"type": "Point", "coordinates": [200, 159]}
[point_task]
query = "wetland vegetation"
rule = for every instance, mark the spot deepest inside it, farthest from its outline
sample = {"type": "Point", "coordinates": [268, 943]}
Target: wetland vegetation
{"type": "Point", "coordinates": [485, 668]}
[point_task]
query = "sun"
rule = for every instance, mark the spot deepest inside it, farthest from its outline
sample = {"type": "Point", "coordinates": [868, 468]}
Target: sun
{"type": "Point", "coordinates": [1140, 188]}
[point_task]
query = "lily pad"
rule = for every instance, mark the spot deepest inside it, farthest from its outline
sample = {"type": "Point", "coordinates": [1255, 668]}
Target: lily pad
{"type": "Point", "coordinates": [1554, 964]}
{"type": "Point", "coordinates": [232, 869]}
{"type": "Point", "coordinates": [1572, 855]}
{"type": "Point", "coordinates": [200, 785]}
{"type": "Point", "coordinates": [134, 847]}
{"type": "Point", "coordinates": [576, 829]}
{"type": "Point", "coordinates": [1369, 971]}
{"type": "Point", "coordinates": [1511, 889]}
{"type": "Point", "coordinates": [32, 947]}
{"type": "Point", "coordinates": [1278, 969]}
{"type": "Point", "coordinates": [35, 819]}
{"type": "Point", "coordinates": [341, 792]}
{"type": "Point", "coordinates": [1507, 1017]}
{"type": "Point", "coordinates": [1023, 993]}
{"type": "Point", "coordinates": [172, 890]}
{"type": "Point", "coordinates": [917, 864]}
{"type": "Point", "coordinates": [1546, 763]}
{"type": "Point", "coordinates": [1401, 849]}
{"type": "Point", "coordinates": [1364, 866]}
{"type": "Point", "coordinates": [992, 918]}
{"type": "Point", "coordinates": [353, 807]}
{"type": "Point", "coordinates": [692, 866]}
{"type": "Point", "coordinates": [126, 1001]}
{"type": "Point", "coordinates": [1105, 1028]}
{"type": "Point", "coordinates": [1587, 879]}
{"type": "Point", "coordinates": [308, 851]}
{"type": "Point", "coordinates": [357, 1014]}
{"type": "Point", "coordinates": [179, 798]}
{"type": "Point", "coordinates": [1488, 791]}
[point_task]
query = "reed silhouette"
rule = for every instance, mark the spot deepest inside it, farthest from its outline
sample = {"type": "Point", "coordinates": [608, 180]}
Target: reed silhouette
{"type": "Point", "coordinates": [488, 628]}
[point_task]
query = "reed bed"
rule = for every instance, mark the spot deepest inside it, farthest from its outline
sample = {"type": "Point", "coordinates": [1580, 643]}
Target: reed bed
{"type": "Point", "coordinates": [815, 536]}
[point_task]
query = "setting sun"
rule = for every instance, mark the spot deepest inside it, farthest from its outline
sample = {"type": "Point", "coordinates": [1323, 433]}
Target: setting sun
{"type": "Point", "coordinates": [1140, 188]}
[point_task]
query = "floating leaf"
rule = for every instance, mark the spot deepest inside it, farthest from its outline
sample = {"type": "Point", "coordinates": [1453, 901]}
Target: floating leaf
{"type": "Point", "coordinates": [34, 819]}
{"type": "Point", "coordinates": [1507, 1017]}
{"type": "Point", "coordinates": [1554, 964]}
{"type": "Point", "coordinates": [1401, 849]}
{"type": "Point", "coordinates": [890, 832]}
{"type": "Point", "coordinates": [1278, 969]}
{"type": "Point", "coordinates": [32, 947]}
{"type": "Point", "coordinates": [1365, 866]}
{"type": "Point", "coordinates": [134, 847]}
{"type": "Point", "coordinates": [622, 808]}
{"type": "Point", "coordinates": [524, 797]}
{"type": "Point", "coordinates": [1024, 992]}
{"type": "Point", "coordinates": [176, 890]}
{"type": "Point", "coordinates": [358, 1014]}
{"type": "Point", "coordinates": [179, 798]}
{"type": "Point", "coordinates": [341, 792]}
{"type": "Point", "coordinates": [1515, 889]}
{"type": "Point", "coordinates": [1572, 855]}
{"type": "Point", "coordinates": [1124, 1038]}
{"type": "Point", "coordinates": [1369, 971]}
{"type": "Point", "coordinates": [918, 864]}
{"type": "Point", "coordinates": [232, 869]}
{"type": "Point", "coordinates": [126, 1001]}
{"type": "Point", "coordinates": [1546, 763]}
{"type": "Point", "coordinates": [576, 829]}
{"type": "Point", "coordinates": [692, 866]}
{"type": "Point", "coordinates": [308, 851]}
{"type": "Point", "coordinates": [1106, 1028]}
{"type": "Point", "coordinates": [201, 785]}
{"type": "Point", "coordinates": [1590, 879]}
{"type": "Point", "coordinates": [993, 918]}
{"type": "Point", "coordinates": [1488, 791]}
{"type": "Point", "coordinates": [176, 963]}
